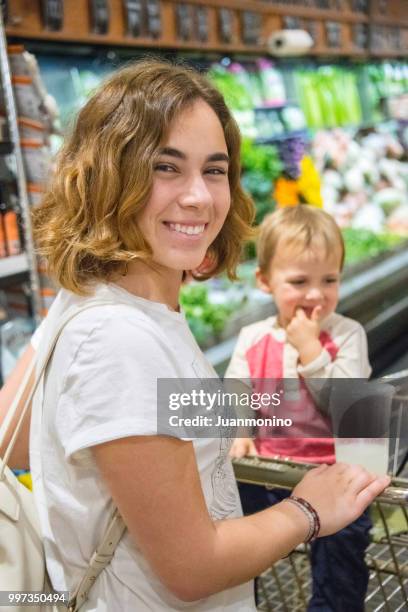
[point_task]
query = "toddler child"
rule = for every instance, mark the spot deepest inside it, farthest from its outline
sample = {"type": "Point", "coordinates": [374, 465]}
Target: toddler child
{"type": "Point", "coordinates": [300, 259]}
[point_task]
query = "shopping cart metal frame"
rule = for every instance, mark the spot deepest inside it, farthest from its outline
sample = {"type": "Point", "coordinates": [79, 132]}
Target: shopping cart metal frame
{"type": "Point", "coordinates": [286, 586]}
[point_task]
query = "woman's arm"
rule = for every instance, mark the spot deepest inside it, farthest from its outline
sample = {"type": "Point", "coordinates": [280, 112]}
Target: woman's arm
{"type": "Point", "coordinates": [19, 458]}
{"type": "Point", "coordinates": [155, 483]}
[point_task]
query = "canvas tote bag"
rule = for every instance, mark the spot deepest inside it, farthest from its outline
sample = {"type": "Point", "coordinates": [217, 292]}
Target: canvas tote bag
{"type": "Point", "coordinates": [22, 561]}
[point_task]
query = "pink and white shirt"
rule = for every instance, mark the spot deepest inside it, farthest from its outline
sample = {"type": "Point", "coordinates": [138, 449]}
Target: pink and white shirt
{"type": "Point", "coordinates": [263, 352]}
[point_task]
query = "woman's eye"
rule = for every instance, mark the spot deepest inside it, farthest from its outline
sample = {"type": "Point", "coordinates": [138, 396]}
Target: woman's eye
{"type": "Point", "coordinates": [165, 168]}
{"type": "Point", "coordinates": [297, 282]}
{"type": "Point", "coordinates": [330, 281]}
{"type": "Point", "coordinates": [216, 171]}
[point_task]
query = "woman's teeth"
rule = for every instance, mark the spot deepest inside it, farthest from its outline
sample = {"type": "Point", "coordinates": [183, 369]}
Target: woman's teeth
{"type": "Point", "coordinates": [187, 229]}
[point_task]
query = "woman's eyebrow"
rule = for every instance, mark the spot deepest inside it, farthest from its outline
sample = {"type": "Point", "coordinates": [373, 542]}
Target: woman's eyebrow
{"type": "Point", "coordinates": [218, 157]}
{"type": "Point", "coordinates": [170, 151]}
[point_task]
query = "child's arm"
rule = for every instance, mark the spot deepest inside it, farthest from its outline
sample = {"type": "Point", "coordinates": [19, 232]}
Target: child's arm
{"type": "Point", "coordinates": [351, 360]}
{"type": "Point", "coordinates": [317, 366]}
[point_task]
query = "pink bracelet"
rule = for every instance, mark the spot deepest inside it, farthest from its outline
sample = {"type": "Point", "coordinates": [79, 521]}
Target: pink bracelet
{"type": "Point", "coordinates": [310, 512]}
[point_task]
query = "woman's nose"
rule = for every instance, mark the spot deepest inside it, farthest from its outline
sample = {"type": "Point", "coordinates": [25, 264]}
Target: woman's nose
{"type": "Point", "coordinates": [195, 193]}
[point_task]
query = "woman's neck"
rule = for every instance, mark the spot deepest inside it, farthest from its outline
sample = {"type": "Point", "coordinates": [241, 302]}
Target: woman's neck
{"type": "Point", "coordinates": [152, 283]}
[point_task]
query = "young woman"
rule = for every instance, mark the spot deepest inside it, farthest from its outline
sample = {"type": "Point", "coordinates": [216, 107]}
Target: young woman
{"type": "Point", "coordinates": [147, 187]}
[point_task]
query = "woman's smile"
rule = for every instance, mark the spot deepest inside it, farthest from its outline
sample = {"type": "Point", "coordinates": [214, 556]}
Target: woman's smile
{"type": "Point", "coordinates": [186, 229]}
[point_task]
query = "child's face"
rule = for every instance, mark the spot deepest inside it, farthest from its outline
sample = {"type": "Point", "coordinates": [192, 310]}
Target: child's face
{"type": "Point", "coordinates": [190, 197]}
{"type": "Point", "coordinates": [302, 279]}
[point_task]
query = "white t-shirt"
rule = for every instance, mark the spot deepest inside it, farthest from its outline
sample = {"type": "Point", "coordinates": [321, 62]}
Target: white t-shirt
{"type": "Point", "coordinates": [101, 385]}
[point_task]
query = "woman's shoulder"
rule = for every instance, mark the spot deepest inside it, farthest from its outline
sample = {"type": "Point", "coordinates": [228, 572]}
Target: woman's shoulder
{"type": "Point", "coordinates": [100, 319]}
{"type": "Point", "coordinates": [113, 324]}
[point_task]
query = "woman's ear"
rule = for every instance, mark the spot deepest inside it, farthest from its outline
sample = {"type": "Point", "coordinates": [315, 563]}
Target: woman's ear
{"type": "Point", "coordinates": [262, 281]}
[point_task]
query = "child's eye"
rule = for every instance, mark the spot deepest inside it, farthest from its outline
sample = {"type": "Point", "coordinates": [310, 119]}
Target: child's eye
{"type": "Point", "coordinates": [330, 281]}
{"type": "Point", "coordinates": [298, 281]}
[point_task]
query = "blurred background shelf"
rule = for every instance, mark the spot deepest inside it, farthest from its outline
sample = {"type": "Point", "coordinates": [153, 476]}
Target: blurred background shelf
{"type": "Point", "coordinates": [11, 267]}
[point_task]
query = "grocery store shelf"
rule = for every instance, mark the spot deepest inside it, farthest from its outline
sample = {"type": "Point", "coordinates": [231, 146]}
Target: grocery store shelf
{"type": "Point", "coordinates": [13, 266]}
{"type": "Point", "coordinates": [6, 147]}
{"type": "Point", "coordinates": [385, 272]}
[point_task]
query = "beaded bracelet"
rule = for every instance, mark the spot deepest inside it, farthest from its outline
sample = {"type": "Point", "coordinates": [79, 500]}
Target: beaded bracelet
{"type": "Point", "coordinates": [310, 512]}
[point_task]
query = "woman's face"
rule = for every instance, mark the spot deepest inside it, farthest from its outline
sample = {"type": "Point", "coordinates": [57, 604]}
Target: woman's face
{"type": "Point", "coordinates": [190, 197]}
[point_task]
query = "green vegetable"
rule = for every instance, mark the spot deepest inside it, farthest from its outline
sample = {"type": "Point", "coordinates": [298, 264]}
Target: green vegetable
{"type": "Point", "coordinates": [261, 167]}
{"type": "Point", "coordinates": [204, 318]}
{"type": "Point", "coordinates": [329, 96]}
{"type": "Point", "coordinates": [363, 244]}
{"type": "Point", "coordinates": [261, 158]}
{"type": "Point", "coordinates": [235, 93]}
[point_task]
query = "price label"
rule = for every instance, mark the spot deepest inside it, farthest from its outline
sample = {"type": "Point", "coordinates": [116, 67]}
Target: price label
{"type": "Point", "coordinates": [154, 23]}
{"type": "Point", "coordinates": [184, 19]}
{"type": "Point", "coordinates": [360, 35]}
{"type": "Point", "coordinates": [251, 27]}
{"type": "Point", "coordinates": [202, 23]}
{"type": "Point", "coordinates": [333, 33]}
{"type": "Point", "coordinates": [225, 25]}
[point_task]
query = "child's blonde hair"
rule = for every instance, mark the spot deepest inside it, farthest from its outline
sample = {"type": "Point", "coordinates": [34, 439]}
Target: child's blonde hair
{"type": "Point", "coordinates": [300, 227]}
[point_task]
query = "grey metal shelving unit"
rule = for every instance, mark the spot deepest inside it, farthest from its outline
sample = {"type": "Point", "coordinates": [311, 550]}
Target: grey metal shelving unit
{"type": "Point", "coordinates": [24, 266]}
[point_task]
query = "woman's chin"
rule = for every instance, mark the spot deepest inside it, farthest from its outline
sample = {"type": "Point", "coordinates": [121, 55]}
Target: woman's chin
{"type": "Point", "coordinates": [181, 264]}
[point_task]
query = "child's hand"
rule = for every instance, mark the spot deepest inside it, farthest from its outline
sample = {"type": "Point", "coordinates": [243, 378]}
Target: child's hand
{"type": "Point", "coordinates": [339, 493]}
{"type": "Point", "coordinates": [242, 447]}
{"type": "Point", "coordinates": [303, 333]}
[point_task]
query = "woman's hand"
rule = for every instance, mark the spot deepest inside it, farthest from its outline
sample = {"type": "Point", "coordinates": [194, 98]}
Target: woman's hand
{"type": "Point", "coordinates": [339, 493]}
{"type": "Point", "coordinates": [242, 447]}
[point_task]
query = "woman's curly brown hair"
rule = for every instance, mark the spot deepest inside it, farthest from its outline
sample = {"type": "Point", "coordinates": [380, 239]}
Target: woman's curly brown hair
{"type": "Point", "coordinates": [86, 225]}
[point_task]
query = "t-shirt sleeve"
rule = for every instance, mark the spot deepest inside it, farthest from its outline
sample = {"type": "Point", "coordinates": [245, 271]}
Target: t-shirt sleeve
{"type": "Point", "coordinates": [110, 388]}
{"type": "Point", "coordinates": [238, 366]}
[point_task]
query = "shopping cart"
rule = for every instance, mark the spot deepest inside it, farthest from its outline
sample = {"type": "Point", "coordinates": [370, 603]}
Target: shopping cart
{"type": "Point", "coordinates": [286, 587]}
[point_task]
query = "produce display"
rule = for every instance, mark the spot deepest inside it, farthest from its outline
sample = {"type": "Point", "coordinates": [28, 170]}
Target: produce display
{"type": "Point", "coordinates": [364, 179]}
{"type": "Point", "coordinates": [360, 178]}
{"type": "Point", "coordinates": [262, 166]}
{"type": "Point", "coordinates": [246, 87]}
{"type": "Point", "coordinates": [287, 159]}
{"type": "Point", "coordinates": [383, 81]}
{"type": "Point", "coordinates": [207, 308]}
{"type": "Point", "coordinates": [258, 85]}
{"type": "Point", "coordinates": [362, 244]}
{"type": "Point", "coordinates": [329, 96]}
{"type": "Point", "coordinates": [306, 189]}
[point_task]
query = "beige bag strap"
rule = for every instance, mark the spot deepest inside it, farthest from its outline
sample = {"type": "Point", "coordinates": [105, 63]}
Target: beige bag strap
{"type": "Point", "coordinates": [104, 552]}
{"type": "Point", "coordinates": [99, 560]}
